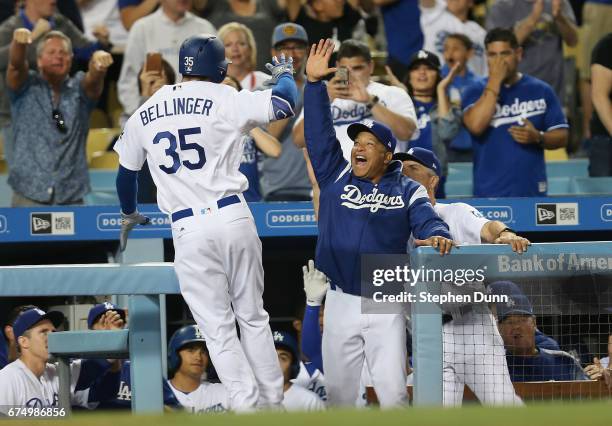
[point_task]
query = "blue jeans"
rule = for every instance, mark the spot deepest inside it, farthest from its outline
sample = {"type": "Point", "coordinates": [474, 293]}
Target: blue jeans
{"type": "Point", "coordinates": [600, 156]}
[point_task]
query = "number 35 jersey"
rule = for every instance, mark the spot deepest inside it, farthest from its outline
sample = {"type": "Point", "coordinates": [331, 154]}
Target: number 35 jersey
{"type": "Point", "coordinates": [189, 133]}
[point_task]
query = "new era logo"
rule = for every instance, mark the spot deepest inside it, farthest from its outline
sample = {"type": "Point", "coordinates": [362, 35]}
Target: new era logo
{"type": "Point", "coordinates": [57, 223]}
{"type": "Point", "coordinates": [41, 223]}
{"type": "Point", "coordinates": [546, 214]}
{"type": "Point", "coordinates": [557, 214]}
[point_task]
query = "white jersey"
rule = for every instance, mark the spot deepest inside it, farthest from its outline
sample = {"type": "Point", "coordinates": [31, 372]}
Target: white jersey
{"type": "Point", "coordinates": [314, 383]}
{"type": "Point", "coordinates": [464, 222]}
{"type": "Point", "coordinates": [346, 112]}
{"type": "Point", "coordinates": [437, 23]}
{"type": "Point", "coordinates": [296, 398]}
{"type": "Point", "coordinates": [189, 133]}
{"type": "Point", "coordinates": [20, 387]}
{"type": "Point", "coordinates": [208, 398]}
{"type": "Point", "coordinates": [254, 79]}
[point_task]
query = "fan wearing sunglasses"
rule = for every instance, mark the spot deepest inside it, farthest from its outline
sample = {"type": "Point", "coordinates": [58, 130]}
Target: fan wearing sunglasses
{"type": "Point", "coordinates": [50, 119]}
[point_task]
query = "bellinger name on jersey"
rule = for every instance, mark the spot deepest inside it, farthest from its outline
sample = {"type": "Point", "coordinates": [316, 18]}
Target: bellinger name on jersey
{"type": "Point", "coordinates": [177, 107]}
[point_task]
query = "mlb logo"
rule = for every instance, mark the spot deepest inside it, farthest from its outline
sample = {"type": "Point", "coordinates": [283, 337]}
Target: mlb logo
{"type": "Point", "coordinates": [278, 337]}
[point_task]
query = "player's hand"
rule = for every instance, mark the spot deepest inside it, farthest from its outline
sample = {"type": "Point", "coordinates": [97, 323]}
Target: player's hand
{"type": "Point", "coordinates": [41, 28]}
{"type": "Point", "coordinates": [100, 61]}
{"type": "Point", "coordinates": [443, 245]}
{"type": "Point", "coordinates": [128, 221]}
{"type": "Point", "coordinates": [518, 244]}
{"type": "Point", "coordinates": [101, 33]}
{"type": "Point", "coordinates": [112, 321]}
{"type": "Point", "coordinates": [525, 134]}
{"type": "Point", "coordinates": [595, 371]}
{"type": "Point", "coordinates": [317, 65]}
{"type": "Point", "coordinates": [22, 36]}
{"type": "Point", "coordinates": [315, 284]}
{"type": "Point", "coordinates": [278, 67]}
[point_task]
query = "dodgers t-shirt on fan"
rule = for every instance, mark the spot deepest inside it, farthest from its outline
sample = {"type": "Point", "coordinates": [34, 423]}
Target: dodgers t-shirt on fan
{"type": "Point", "coordinates": [423, 136]}
{"type": "Point", "coordinates": [502, 166]}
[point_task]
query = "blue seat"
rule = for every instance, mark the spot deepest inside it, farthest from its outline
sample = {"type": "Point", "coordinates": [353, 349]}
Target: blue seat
{"type": "Point", "coordinates": [591, 185]}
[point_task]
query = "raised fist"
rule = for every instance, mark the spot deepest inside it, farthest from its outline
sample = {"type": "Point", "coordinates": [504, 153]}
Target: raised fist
{"type": "Point", "coordinates": [22, 36]}
{"type": "Point", "coordinates": [101, 60]}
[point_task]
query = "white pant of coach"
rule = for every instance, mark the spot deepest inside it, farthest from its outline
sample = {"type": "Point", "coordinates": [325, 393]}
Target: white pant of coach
{"type": "Point", "coordinates": [474, 355]}
{"type": "Point", "coordinates": [351, 338]}
{"type": "Point", "coordinates": [207, 245]}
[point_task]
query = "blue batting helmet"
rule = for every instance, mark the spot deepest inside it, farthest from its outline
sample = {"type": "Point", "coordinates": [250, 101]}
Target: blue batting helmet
{"type": "Point", "coordinates": [285, 340]}
{"type": "Point", "coordinates": [203, 56]}
{"type": "Point", "coordinates": [180, 338]}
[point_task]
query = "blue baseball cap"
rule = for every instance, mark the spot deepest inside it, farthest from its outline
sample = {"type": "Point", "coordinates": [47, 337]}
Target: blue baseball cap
{"type": "Point", "coordinates": [96, 311]}
{"type": "Point", "coordinates": [286, 340]}
{"type": "Point", "coordinates": [382, 132]}
{"type": "Point", "coordinates": [517, 304]}
{"type": "Point", "coordinates": [422, 156]}
{"type": "Point", "coordinates": [31, 317]}
{"type": "Point", "coordinates": [289, 31]}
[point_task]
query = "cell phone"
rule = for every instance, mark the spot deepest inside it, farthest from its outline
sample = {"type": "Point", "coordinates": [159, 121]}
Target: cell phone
{"type": "Point", "coordinates": [154, 62]}
{"type": "Point", "coordinates": [342, 75]}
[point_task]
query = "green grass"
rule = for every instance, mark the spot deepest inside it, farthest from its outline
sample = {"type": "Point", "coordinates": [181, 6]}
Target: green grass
{"type": "Point", "coordinates": [546, 414]}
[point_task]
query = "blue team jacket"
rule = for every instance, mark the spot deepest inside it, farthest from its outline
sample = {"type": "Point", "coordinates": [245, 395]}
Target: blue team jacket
{"type": "Point", "coordinates": [357, 216]}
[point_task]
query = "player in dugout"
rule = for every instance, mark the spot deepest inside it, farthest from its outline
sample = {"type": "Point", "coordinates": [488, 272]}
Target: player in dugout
{"type": "Point", "coordinates": [528, 362]}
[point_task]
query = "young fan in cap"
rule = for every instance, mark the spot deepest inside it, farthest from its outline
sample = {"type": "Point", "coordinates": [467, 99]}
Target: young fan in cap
{"type": "Point", "coordinates": [31, 381]}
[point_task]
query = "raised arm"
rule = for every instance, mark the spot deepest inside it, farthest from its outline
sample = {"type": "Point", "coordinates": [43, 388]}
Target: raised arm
{"type": "Point", "coordinates": [130, 14]}
{"type": "Point", "coordinates": [479, 115]}
{"type": "Point", "coordinates": [323, 147]}
{"type": "Point", "coordinates": [93, 83]}
{"type": "Point", "coordinates": [17, 71]}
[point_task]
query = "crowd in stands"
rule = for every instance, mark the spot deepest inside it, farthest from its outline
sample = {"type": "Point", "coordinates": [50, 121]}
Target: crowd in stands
{"type": "Point", "coordinates": [436, 53]}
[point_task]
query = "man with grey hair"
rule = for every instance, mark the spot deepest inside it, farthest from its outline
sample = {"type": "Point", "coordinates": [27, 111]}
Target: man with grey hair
{"type": "Point", "coordinates": [40, 17]}
{"type": "Point", "coordinates": [49, 165]}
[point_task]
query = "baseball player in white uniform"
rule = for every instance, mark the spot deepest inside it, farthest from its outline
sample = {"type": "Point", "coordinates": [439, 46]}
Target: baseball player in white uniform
{"type": "Point", "coordinates": [361, 99]}
{"type": "Point", "coordinates": [474, 353]}
{"type": "Point", "coordinates": [31, 381]}
{"type": "Point", "coordinates": [188, 133]}
{"type": "Point", "coordinates": [188, 362]}
{"type": "Point", "coordinates": [297, 398]}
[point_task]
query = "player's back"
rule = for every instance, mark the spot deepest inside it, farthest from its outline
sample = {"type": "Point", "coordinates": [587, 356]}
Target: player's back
{"type": "Point", "coordinates": [190, 133]}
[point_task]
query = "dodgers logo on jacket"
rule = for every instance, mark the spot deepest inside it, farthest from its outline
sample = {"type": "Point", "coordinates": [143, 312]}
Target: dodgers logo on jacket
{"type": "Point", "coordinates": [374, 201]}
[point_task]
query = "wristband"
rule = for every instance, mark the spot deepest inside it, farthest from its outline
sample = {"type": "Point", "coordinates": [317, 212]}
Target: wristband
{"type": "Point", "coordinates": [506, 229]}
{"type": "Point", "coordinates": [492, 91]}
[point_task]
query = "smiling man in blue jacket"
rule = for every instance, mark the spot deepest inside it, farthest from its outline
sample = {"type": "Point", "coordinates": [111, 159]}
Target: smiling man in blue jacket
{"type": "Point", "coordinates": [366, 206]}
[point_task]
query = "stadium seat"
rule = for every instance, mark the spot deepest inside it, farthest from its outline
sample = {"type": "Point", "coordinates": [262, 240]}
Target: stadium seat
{"type": "Point", "coordinates": [98, 119]}
{"type": "Point", "coordinates": [102, 198]}
{"type": "Point", "coordinates": [559, 154]}
{"type": "Point", "coordinates": [105, 160]}
{"type": "Point", "coordinates": [98, 140]}
{"type": "Point", "coordinates": [591, 185]}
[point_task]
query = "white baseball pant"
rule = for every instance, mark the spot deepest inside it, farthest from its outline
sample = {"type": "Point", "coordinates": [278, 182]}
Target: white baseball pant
{"type": "Point", "coordinates": [474, 355]}
{"type": "Point", "coordinates": [352, 338]}
{"type": "Point", "coordinates": [218, 264]}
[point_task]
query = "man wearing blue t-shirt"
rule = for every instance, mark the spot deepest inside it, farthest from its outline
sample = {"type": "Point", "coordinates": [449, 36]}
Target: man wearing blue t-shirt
{"type": "Point", "coordinates": [512, 117]}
